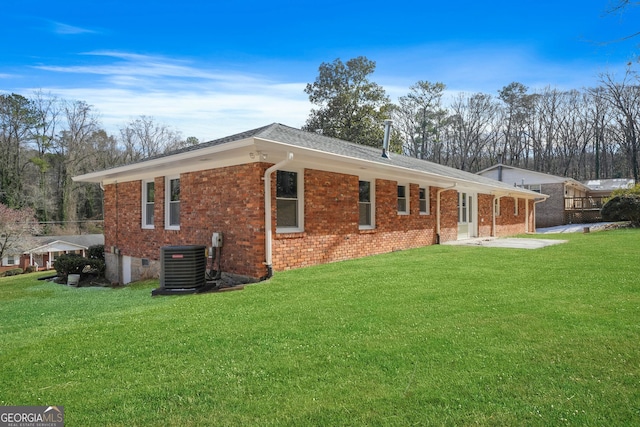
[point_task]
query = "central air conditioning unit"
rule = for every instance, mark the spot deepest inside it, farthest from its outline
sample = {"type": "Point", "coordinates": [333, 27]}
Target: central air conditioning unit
{"type": "Point", "coordinates": [182, 269]}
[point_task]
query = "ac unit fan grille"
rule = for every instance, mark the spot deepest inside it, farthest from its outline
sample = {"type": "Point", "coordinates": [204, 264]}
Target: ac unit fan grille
{"type": "Point", "coordinates": [183, 267]}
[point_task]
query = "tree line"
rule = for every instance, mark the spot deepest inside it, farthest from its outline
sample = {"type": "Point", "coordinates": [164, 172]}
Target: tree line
{"type": "Point", "coordinates": [45, 141]}
{"type": "Point", "coordinates": [586, 133]}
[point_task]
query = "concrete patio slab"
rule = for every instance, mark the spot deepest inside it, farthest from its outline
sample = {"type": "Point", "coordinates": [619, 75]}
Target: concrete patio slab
{"type": "Point", "coordinates": [512, 243]}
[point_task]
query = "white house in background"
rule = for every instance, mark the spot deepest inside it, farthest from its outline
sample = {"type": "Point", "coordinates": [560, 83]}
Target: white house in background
{"type": "Point", "coordinates": [42, 251]}
{"type": "Point", "coordinates": [568, 200]}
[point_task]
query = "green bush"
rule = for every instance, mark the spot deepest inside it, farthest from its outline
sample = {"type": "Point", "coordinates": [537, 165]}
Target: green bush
{"type": "Point", "coordinates": [13, 272]}
{"type": "Point", "coordinates": [96, 252]}
{"type": "Point", "coordinates": [625, 207]}
{"type": "Point", "coordinates": [75, 264]}
{"type": "Point", "coordinates": [626, 191]}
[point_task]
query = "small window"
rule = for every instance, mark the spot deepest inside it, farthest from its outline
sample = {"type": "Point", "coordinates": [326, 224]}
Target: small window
{"type": "Point", "coordinates": [148, 203]}
{"type": "Point", "coordinates": [534, 187]}
{"type": "Point", "coordinates": [403, 201]}
{"type": "Point", "coordinates": [424, 200]}
{"type": "Point", "coordinates": [365, 204]}
{"type": "Point", "coordinates": [172, 192]}
{"type": "Point", "coordinates": [496, 203]}
{"type": "Point", "coordinates": [288, 201]}
{"type": "Point", "coordinates": [11, 260]}
{"type": "Point", "coordinates": [515, 206]}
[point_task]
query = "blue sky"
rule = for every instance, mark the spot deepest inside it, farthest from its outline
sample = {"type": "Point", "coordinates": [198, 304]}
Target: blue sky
{"type": "Point", "coordinates": [210, 69]}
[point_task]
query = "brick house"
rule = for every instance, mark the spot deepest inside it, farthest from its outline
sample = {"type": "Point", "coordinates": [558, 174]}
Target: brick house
{"type": "Point", "coordinates": [327, 200]}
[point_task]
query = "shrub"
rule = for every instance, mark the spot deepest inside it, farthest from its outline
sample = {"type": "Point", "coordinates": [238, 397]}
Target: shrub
{"type": "Point", "coordinates": [13, 272]}
{"type": "Point", "coordinates": [624, 207]}
{"type": "Point", "coordinates": [75, 264]}
{"type": "Point", "coordinates": [96, 252]}
{"type": "Point", "coordinates": [625, 191]}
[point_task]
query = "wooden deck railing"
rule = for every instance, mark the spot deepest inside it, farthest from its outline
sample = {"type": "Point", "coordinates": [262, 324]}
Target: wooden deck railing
{"type": "Point", "coordinates": [582, 209]}
{"type": "Point", "coordinates": [583, 203]}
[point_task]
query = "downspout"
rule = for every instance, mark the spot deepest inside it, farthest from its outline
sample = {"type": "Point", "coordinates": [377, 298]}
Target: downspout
{"type": "Point", "coordinates": [267, 214]}
{"type": "Point", "coordinates": [526, 211]}
{"type": "Point", "coordinates": [493, 216]}
{"type": "Point", "coordinates": [535, 202]}
{"type": "Point", "coordinates": [438, 210]}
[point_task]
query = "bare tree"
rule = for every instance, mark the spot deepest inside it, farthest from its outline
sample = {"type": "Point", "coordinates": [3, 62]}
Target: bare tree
{"type": "Point", "coordinates": [624, 98]}
{"type": "Point", "coordinates": [47, 111]}
{"type": "Point", "coordinates": [517, 113]}
{"type": "Point", "coordinates": [144, 137]}
{"type": "Point", "coordinates": [473, 125]}
{"type": "Point", "coordinates": [73, 148]}
{"type": "Point", "coordinates": [15, 226]}
{"type": "Point", "coordinates": [16, 125]}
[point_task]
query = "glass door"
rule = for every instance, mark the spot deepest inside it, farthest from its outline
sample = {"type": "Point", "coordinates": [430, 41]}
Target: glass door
{"type": "Point", "coordinates": [466, 214]}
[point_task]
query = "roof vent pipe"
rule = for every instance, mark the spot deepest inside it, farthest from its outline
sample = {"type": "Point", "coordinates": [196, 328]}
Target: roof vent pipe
{"type": "Point", "coordinates": [385, 141]}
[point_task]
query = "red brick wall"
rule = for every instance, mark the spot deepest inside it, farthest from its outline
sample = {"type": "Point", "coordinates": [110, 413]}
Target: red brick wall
{"type": "Point", "coordinates": [230, 200]}
{"type": "Point", "coordinates": [331, 223]}
{"type": "Point", "coordinates": [507, 223]}
{"type": "Point", "coordinates": [448, 215]}
{"type": "Point", "coordinates": [485, 215]}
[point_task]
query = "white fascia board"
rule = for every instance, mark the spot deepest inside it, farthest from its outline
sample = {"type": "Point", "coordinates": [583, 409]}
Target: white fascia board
{"type": "Point", "coordinates": [187, 161]}
{"type": "Point", "coordinates": [55, 246]}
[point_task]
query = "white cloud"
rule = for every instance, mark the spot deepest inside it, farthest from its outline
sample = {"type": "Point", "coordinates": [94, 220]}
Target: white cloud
{"type": "Point", "coordinates": [65, 29]}
{"type": "Point", "coordinates": [194, 100]}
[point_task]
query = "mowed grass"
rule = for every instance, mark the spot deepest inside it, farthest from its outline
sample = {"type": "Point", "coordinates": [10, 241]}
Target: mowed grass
{"type": "Point", "coordinates": [441, 335]}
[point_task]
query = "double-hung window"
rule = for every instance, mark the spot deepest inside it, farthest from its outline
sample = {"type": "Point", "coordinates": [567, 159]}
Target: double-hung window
{"type": "Point", "coordinates": [148, 203]}
{"type": "Point", "coordinates": [289, 203]}
{"type": "Point", "coordinates": [424, 200]}
{"type": "Point", "coordinates": [403, 199]}
{"type": "Point", "coordinates": [365, 204]}
{"type": "Point", "coordinates": [172, 203]}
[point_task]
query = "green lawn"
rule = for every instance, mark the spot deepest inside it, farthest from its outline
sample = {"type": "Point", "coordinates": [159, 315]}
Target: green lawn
{"type": "Point", "coordinates": [441, 335]}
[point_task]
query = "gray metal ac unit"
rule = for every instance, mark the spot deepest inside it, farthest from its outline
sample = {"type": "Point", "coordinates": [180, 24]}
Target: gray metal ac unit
{"type": "Point", "coordinates": [183, 268]}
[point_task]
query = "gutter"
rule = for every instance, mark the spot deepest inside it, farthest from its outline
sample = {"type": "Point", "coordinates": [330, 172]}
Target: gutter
{"type": "Point", "coordinates": [267, 214]}
{"type": "Point", "coordinates": [438, 210]}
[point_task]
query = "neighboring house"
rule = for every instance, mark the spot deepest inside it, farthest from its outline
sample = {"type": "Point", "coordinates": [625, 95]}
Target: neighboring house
{"type": "Point", "coordinates": [9, 261]}
{"type": "Point", "coordinates": [569, 202]}
{"type": "Point", "coordinates": [602, 188]}
{"type": "Point", "coordinates": [326, 200]}
{"type": "Point", "coordinates": [41, 251]}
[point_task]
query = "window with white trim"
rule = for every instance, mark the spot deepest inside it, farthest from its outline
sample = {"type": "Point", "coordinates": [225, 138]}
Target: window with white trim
{"type": "Point", "coordinates": [366, 205]}
{"type": "Point", "coordinates": [11, 260]}
{"type": "Point", "coordinates": [148, 203]}
{"type": "Point", "coordinates": [496, 203]}
{"type": "Point", "coordinates": [515, 207]}
{"type": "Point", "coordinates": [424, 200]}
{"type": "Point", "coordinates": [172, 203]}
{"type": "Point", "coordinates": [403, 199]}
{"type": "Point", "coordinates": [289, 201]}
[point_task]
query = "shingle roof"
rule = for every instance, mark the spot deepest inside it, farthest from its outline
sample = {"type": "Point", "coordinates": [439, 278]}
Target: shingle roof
{"type": "Point", "coordinates": [282, 134]}
{"type": "Point", "coordinates": [285, 134]}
